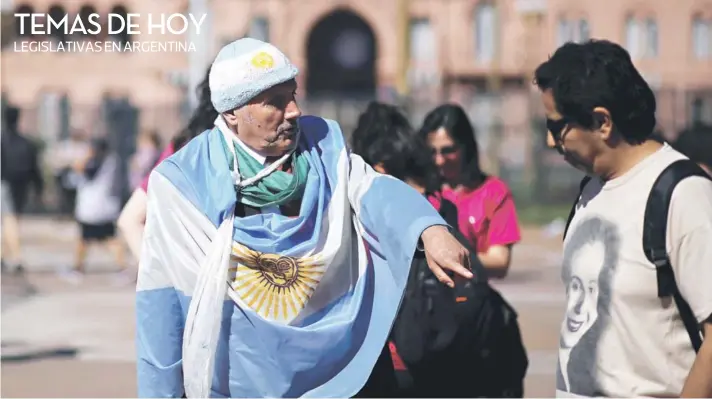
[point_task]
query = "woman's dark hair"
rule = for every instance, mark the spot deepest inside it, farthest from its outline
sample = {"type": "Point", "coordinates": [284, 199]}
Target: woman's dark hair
{"type": "Point", "coordinates": [202, 119]}
{"type": "Point", "coordinates": [384, 136]}
{"type": "Point", "coordinates": [454, 120]}
{"type": "Point", "coordinates": [695, 143]}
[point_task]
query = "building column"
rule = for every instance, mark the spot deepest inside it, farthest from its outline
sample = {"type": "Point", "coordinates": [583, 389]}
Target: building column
{"type": "Point", "coordinates": [403, 17]}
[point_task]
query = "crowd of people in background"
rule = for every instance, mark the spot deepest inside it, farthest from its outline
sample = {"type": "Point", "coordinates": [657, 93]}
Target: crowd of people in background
{"type": "Point", "coordinates": [487, 216]}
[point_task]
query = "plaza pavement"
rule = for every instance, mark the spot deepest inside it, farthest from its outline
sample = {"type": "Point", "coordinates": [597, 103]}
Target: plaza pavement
{"type": "Point", "coordinates": [61, 340]}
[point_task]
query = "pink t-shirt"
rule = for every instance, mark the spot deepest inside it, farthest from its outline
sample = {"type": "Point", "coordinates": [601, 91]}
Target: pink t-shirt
{"type": "Point", "coordinates": [167, 152]}
{"type": "Point", "coordinates": [486, 215]}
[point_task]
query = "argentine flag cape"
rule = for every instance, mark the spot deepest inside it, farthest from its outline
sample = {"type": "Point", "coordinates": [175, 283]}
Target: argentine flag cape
{"type": "Point", "coordinates": [268, 305]}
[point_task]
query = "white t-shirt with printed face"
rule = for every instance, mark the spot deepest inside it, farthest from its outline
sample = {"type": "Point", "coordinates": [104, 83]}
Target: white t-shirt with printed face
{"type": "Point", "coordinates": [618, 338]}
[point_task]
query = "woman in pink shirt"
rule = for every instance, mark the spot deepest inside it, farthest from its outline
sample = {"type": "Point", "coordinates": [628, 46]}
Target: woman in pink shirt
{"type": "Point", "coordinates": [486, 211]}
{"type": "Point", "coordinates": [133, 216]}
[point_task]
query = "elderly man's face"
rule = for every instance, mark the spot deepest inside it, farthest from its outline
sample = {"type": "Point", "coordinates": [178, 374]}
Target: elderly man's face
{"type": "Point", "coordinates": [268, 123]}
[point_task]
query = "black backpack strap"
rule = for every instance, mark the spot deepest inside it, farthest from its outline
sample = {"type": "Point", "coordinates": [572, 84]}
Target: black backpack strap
{"type": "Point", "coordinates": [583, 183]}
{"type": "Point", "coordinates": [448, 211]}
{"type": "Point", "coordinates": [654, 239]}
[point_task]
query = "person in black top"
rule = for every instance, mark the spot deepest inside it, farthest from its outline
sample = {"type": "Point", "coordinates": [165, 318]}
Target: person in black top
{"type": "Point", "coordinates": [20, 161]}
{"type": "Point", "coordinates": [385, 140]}
{"type": "Point", "coordinates": [439, 332]}
{"type": "Point", "coordinates": [20, 172]}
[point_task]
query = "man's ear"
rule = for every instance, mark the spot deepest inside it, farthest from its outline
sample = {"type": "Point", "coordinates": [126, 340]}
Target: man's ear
{"type": "Point", "coordinates": [231, 118]}
{"type": "Point", "coordinates": [379, 168]}
{"type": "Point", "coordinates": [604, 122]}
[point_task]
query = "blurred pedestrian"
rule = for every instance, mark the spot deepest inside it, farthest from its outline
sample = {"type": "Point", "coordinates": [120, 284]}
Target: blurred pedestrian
{"type": "Point", "coordinates": [11, 245]}
{"type": "Point", "coordinates": [97, 209]}
{"type": "Point", "coordinates": [61, 157]}
{"type": "Point", "coordinates": [148, 150]}
{"type": "Point", "coordinates": [20, 171]}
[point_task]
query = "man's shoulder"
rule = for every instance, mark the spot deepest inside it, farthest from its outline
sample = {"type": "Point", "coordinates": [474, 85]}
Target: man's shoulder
{"type": "Point", "coordinates": [199, 173]}
{"type": "Point", "coordinates": [187, 157]}
{"type": "Point", "coordinates": [693, 192]}
{"type": "Point", "coordinates": [318, 129]}
{"type": "Point", "coordinates": [660, 161]}
{"type": "Point", "coordinates": [639, 181]}
{"type": "Point", "coordinates": [182, 166]}
{"type": "Point", "coordinates": [690, 207]}
{"type": "Point", "coordinates": [693, 196]}
{"type": "Point", "coordinates": [312, 121]}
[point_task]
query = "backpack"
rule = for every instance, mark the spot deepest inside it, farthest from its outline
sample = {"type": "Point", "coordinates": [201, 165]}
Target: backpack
{"type": "Point", "coordinates": [19, 158]}
{"type": "Point", "coordinates": [448, 336]}
{"type": "Point", "coordinates": [654, 237]}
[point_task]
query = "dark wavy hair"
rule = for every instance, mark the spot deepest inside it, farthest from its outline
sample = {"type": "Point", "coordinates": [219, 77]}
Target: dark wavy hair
{"type": "Point", "coordinates": [454, 120]}
{"type": "Point", "coordinates": [202, 119]}
{"type": "Point", "coordinates": [384, 136]}
{"type": "Point", "coordinates": [695, 143]}
{"type": "Point", "coordinates": [599, 73]}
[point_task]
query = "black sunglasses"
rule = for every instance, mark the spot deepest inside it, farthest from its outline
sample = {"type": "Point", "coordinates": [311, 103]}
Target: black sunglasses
{"type": "Point", "coordinates": [556, 127]}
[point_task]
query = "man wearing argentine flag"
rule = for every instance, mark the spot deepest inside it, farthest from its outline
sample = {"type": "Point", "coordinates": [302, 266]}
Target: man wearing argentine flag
{"type": "Point", "coordinates": [274, 260]}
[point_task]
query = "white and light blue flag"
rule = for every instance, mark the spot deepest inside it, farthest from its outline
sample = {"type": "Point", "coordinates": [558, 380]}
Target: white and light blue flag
{"type": "Point", "coordinates": [269, 305]}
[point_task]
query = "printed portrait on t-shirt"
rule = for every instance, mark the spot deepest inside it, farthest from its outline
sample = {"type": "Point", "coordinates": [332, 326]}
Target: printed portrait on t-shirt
{"type": "Point", "coordinates": [590, 257]}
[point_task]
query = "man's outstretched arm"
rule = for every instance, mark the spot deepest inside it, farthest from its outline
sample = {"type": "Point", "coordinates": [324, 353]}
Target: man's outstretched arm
{"type": "Point", "coordinates": [398, 215]}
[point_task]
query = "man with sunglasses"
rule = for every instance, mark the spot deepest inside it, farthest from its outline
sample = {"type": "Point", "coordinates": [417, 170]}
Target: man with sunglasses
{"type": "Point", "coordinates": [625, 333]}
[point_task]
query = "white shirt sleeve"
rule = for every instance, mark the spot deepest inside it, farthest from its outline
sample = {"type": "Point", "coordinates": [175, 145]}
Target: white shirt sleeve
{"type": "Point", "coordinates": [690, 243]}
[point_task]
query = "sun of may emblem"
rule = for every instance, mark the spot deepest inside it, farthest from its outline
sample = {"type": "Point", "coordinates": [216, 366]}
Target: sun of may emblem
{"type": "Point", "coordinates": [262, 60]}
{"type": "Point", "coordinates": [276, 287]}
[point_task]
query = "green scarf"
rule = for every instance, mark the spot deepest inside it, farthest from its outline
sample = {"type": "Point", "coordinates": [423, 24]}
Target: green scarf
{"type": "Point", "coordinates": [277, 188]}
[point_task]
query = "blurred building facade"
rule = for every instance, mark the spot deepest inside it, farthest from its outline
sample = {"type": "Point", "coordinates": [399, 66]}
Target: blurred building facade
{"type": "Point", "coordinates": [353, 47]}
{"type": "Point", "coordinates": [480, 53]}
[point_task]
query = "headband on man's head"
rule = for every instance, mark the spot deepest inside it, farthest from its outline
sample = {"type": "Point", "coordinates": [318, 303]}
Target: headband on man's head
{"type": "Point", "coordinates": [245, 68]}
